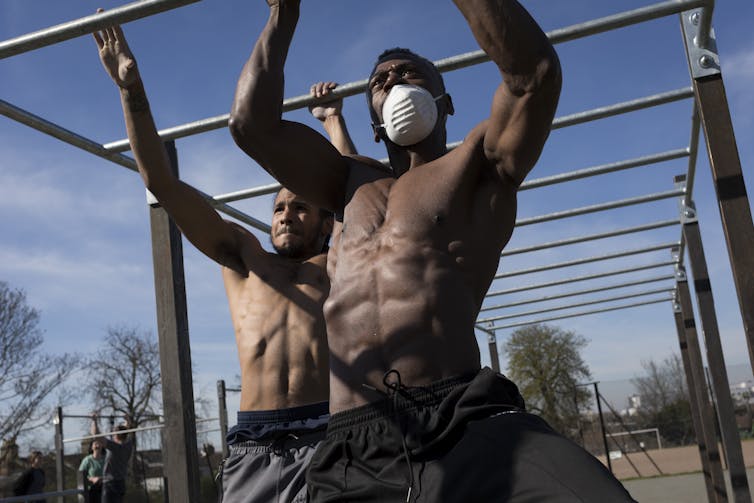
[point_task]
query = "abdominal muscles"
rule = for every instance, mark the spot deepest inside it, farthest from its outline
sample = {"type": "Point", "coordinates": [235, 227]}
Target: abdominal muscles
{"type": "Point", "coordinates": [397, 305]}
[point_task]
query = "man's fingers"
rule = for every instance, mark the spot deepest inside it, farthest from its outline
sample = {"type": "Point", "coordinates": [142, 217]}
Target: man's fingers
{"type": "Point", "coordinates": [98, 39]}
{"type": "Point", "coordinates": [119, 34]}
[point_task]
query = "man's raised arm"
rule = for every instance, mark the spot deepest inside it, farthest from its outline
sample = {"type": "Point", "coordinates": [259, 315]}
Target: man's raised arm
{"type": "Point", "coordinates": [524, 105]}
{"type": "Point", "coordinates": [329, 111]}
{"type": "Point", "coordinates": [296, 155]}
{"type": "Point", "coordinates": [200, 223]}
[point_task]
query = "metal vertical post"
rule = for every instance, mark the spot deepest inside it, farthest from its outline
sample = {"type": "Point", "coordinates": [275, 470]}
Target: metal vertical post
{"type": "Point", "coordinates": [701, 411]}
{"type": "Point", "coordinates": [602, 424]}
{"type": "Point", "coordinates": [223, 415]}
{"type": "Point", "coordinates": [59, 451]}
{"type": "Point", "coordinates": [494, 356]}
{"type": "Point", "coordinates": [715, 359]}
{"type": "Point", "coordinates": [180, 453]}
{"type": "Point", "coordinates": [724, 161]}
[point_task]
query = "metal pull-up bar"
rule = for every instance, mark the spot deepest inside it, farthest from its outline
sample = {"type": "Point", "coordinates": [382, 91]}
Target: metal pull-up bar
{"type": "Point", "coordinates": [87, 25]}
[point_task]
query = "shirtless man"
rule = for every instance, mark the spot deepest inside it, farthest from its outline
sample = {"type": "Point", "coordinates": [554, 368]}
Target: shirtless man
{"type": "Point", "coordinates": [275, 301]}
{"type": "Point", "coordinates": [414, 418]}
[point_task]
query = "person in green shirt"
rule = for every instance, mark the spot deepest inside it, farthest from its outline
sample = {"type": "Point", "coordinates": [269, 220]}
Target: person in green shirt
{"type": "Point", "coordinates": [92, 466]}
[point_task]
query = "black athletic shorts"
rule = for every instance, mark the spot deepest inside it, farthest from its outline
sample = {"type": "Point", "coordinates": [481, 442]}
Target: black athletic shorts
{"type": "Point", "coordinates": [462, 439]}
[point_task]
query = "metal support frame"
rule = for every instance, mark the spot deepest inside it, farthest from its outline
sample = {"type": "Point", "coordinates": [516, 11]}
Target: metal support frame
{"type": "Point", "coordinates": [602, 426]}
{"type": "Point", "coordinates": [492, 344]}
{"type": "Point", "coordinates": [701, 409]}
{"type": "Point", "coordinates": [578, 292]}
{"type": "Point", "coordinates": [581, 278]}
{"type": "Point", "coordinates": [715, 358]}
{"type": "Point", "coordinates": [222, 408]}
{"type": "Point", "coordinates": [712, 105]}
{"type": "Point", "coordinates": [180, 452]}
{"type": "Point", "coordinates": [724, 161]}
{"type": "Point", "coordinates": [620, 203]}
{"type": "Point", "coordinates": [59, 451]}
{"type": "Point", "coordinates": [588, 260]}
{"type": "Point", "coordinates": [590, 237]}
{"type": "Point", "coordinates": [582, 313]}
{"type": "Point", "coordinates": [578, 304]}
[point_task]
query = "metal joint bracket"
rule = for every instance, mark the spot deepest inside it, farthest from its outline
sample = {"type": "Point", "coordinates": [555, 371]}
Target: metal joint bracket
{"type": "Point", "coordinates": [491, 338]}
{"type": "Point", "coordinates": [680, 271]}
{"type": "Point", "coordinates": [703, 61]}
{"type": "Point", "coordinates": [676, 302]}
{"type": "Point", "coordinates": [686, 210]}
{"type": "Point", "coordinates": [687, 213]}
{"type": "Point", "coordinates": [151, 199]}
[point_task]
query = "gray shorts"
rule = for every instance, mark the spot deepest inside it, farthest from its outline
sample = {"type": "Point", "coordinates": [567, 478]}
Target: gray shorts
{"type": "Point", "coordinates": [270, 452]}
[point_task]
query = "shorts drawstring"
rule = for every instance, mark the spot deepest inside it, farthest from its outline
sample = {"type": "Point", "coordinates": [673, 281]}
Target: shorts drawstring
{"type": "Point", "coordinates": [397, 389]}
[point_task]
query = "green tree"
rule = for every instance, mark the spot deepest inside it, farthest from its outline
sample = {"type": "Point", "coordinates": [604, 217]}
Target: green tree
{"type": "Point", "coordinates": [546, 364]}
{"type": "Point", "coordinates": [28, 376]}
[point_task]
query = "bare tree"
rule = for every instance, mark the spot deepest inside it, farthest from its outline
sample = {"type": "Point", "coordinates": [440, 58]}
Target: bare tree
{"type": "Point", "coordinates": [125, 374]}
{"type": "Point", "coordinates": [664, 399]}
{"type": "Point", "coordinates": [545, 361]}
{"type": "Point", "coordinates": [27, 375]}
{"type": "Point", "coordinates": [663, 383]}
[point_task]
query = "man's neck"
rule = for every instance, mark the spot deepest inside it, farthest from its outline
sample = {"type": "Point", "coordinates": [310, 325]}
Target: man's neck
{"type": "Point", "coordinates": [402, 159]}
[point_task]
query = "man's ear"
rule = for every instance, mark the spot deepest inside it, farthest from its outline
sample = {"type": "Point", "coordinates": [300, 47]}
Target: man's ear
{"type": "Point", "coordinates": [376, 131]}
{"type": "Point", "coordinates": [449, 105]}
{"type": "Point", "coordinates": [327, 226]}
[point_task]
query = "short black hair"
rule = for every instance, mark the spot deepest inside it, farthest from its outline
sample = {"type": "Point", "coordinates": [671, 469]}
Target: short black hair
{"type": "Point", "coordinates": [406, 52]}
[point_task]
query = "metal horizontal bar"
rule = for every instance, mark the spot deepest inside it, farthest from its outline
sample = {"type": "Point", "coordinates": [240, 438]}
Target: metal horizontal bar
{"type": "Point", "coordinates": [599, 207]}
{"type": "Point", "coordinates": [587, 260]}
{"type": "Point", "coordinates": [449, 64]}
{"type": "Point", "coordinates": [237, 214]}
{"type": "Point", "coordinates": [578, 304]}
{"type": "Point", "coordinates": [590, 237]}
{"type": "Point", "coordinates": [175, 132]}
{"type": "Point", "coordinates": [539, 182]}
{"type": "Point", "coordinates": [624, 107]}
{"type": "Point", "coordinates": [248, 193]}
{"type": "Point", "coordinates": [583, 313]}
{"type": "Point", "coordinates": [605, 168]}
{"type": "Point", "coordinates": [51, 129]}
{"type": "Point", "coordinates": [86, 25]}
{"type": "Point", "coordinates": [581, 278]}
{"type": "Point", "coordinates": [585, 29]}
{"type": "Point", "coordinates": [47, 127]}
{"type": "Point", "coordinates": [108, 433]}
{"type": "Point", "coordinates": [578, 292]}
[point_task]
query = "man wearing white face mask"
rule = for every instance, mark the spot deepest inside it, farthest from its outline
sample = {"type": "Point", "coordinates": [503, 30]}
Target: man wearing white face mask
{"type": "Point", "coordinates": [413, 417]}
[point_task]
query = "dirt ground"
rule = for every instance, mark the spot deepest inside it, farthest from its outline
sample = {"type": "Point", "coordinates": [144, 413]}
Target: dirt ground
{"type": "Point", "coordinates": [671, 461]}
{"type": "Point", "coordinates": [681, 480]}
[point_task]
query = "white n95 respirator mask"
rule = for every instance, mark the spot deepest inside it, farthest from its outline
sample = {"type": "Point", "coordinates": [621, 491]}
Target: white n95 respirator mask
{"type": "Point", "coordinates": [410, 114]}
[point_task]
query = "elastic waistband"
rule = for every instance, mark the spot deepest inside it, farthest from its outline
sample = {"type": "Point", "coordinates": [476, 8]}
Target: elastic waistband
{"type": "Point", "coordinates": [266, 417]}
{"type": "Point", "coordinates": [276, 443]}
{"type": "Point", "coordinates": [407, 399]}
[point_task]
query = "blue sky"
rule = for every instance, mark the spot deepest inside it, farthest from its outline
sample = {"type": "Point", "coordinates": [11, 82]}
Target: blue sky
{"type": "Point", "coordinates": [75, 233]}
